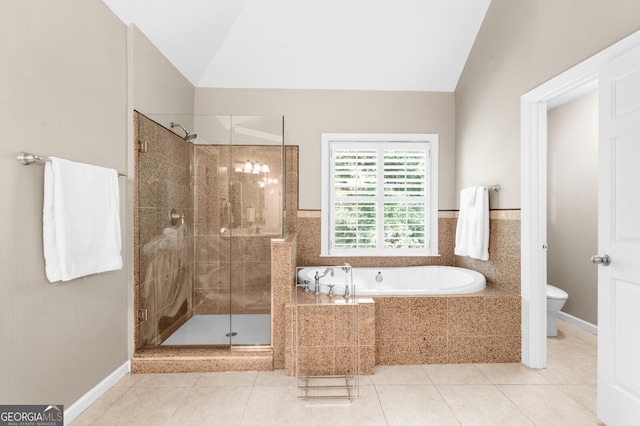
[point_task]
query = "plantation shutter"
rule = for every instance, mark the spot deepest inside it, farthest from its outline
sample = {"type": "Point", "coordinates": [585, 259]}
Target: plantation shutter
{"type": "Point", "coordinates": [379, 198]}
{"type": "Point", "coordinates": [405, 202]}
{"type": "Point", "coordinates": [355, 208]}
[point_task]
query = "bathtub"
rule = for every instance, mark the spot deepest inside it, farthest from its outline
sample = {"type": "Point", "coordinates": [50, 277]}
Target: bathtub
{"type": "Point", "coordinates": [411, 280]}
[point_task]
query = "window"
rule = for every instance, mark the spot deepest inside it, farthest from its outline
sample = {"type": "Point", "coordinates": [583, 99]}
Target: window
{"type": "Point", "coordinates": [379, 195]}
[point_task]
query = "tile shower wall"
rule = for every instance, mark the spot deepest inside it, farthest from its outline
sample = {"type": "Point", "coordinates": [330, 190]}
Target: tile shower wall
{"type": "Point", "coordinates": [163, 253]}
{"type": "Point", "coordinates": [233, 268]}
{"type": "Point", "coordinates": [483, 327]}
{"type": "Point", "coordinates": [206, 358]}
{"type": "Point", "coordinates": [283, 270]}
{"type": "Point", "coordinates": [291, 174]}
{"type": "Point", "coordinates": [194, 262]}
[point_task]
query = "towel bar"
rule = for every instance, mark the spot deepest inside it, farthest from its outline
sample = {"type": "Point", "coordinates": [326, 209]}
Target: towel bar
{"type": "Point", "coordinates": [27, 158]}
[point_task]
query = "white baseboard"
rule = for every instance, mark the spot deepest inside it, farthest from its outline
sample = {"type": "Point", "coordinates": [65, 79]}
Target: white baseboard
{"type": "Point", "coordinates": [586, 326]}
{"type": "Point", "coordinates": [96, 392]}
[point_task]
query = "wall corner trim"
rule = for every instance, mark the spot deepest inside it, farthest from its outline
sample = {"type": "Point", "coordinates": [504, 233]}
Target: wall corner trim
{"type": "Point", "coordinates": [71, 413]}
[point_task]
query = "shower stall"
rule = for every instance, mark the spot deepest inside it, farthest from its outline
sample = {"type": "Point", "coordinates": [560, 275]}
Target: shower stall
{"type": "Point", "coordinates": [209, 200]}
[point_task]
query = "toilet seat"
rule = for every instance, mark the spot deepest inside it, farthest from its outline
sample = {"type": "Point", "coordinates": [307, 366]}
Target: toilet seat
{"type": "Point", "coordinates": [556, 293]}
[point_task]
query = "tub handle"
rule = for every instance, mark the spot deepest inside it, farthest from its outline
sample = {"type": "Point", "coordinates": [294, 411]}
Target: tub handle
{"type": "Point", "coordinates": [306, 285]}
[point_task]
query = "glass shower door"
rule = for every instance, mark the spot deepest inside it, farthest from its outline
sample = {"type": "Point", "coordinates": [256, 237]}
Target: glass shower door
{"type": "Point", "coordinates": [238, 202]}
{"type": "Point", "coordinates": [256, 194]}
{"type": "Point", "coordinates": [163, 239]}
{"type": "Point", "coordinates": [207, 209]}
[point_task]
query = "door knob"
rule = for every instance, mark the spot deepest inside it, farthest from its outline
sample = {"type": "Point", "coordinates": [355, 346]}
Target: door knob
{"type": "Point", "coordinates": [601, 260]}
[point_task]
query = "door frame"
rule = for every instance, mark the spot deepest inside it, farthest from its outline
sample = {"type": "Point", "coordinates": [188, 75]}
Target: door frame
{"type": "Point", "coordinates": [566, 86]}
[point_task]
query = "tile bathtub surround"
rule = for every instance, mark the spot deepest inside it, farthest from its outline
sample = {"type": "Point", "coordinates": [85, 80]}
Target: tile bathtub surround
{"type": "Point", "coordinates": [308, 230]}
{"type": "Point", "coordinates": [484, 327]}
{"type": "Point", "coordinates": [502, 269]}
{"type": "Point", "coordinates": [479, 328]}
{"type": "Point", "coordinates": [327, 339]}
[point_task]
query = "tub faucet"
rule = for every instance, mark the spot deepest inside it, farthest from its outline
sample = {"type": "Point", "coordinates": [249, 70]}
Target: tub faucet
{"type": "Point", "coordinates": [346, 268]}
{"type": "Point", "coordinates": [318, 276]}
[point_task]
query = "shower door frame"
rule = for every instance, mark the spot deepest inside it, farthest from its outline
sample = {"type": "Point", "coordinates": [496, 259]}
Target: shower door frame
{"type": "Point", "coordinates": [164, 121]}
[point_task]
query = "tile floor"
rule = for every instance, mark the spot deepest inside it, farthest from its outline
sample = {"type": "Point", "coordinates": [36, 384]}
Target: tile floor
{"type": "Point", "coordinates": [460, 394]}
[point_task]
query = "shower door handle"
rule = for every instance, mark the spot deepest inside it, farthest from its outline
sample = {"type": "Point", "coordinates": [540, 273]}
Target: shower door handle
{"type": "Point", "coordinates": [601, 260]}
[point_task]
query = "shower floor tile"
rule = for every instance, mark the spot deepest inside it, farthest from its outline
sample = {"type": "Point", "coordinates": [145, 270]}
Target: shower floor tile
{"type": "Point", "coordinates": [251, 329]}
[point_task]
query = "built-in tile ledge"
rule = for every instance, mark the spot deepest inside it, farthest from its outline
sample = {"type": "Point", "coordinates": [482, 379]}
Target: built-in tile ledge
{"type": "Point", "coordinates": [505, 214]}
{"type": "Point", "coordinates": [448, 214]}
{"type": "Point", "coordinates": [495, 214]}
{"type": "Point", "coordinates": [200, 360]}
{"type": "Point", "coordinates": [443, 214]}
{"type": "Point", "coordinates": [309, 213]}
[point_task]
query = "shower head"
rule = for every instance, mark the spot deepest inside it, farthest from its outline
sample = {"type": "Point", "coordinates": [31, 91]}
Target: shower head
{"type": "Point", "coordinates": [188, 136]}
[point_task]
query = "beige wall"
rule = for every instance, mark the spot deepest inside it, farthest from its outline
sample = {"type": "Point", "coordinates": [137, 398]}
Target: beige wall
{"type": "Point", "coordinates": [309, 113]}
{"type": "Point", "coordinates": [522, 44]}
{"type": "Point", "coordinates": [572, 205]}
{"type": "Point", "coordinates": [158, 87]}
{"type": "Point", "coordinates": [62, 93]}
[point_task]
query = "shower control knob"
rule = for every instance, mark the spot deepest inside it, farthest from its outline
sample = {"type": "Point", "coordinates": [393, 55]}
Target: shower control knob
{"type": "Point", "coordinates": [601, 260]}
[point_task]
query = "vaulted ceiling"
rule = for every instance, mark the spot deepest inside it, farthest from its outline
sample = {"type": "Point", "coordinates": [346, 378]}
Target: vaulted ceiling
{"type": "Point", "coordinates": [413, 45]}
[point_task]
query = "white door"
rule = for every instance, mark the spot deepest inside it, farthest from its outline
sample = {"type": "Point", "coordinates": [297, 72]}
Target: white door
{"type": "Point", "coordinates": [619, 238]}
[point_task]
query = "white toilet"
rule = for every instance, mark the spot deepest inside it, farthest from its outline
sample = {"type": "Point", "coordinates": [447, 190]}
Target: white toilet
{"type": "Point", "coordinates": [556, 298]}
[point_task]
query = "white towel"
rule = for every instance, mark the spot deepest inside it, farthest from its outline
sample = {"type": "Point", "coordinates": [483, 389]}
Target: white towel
{"type": "Point", "coordinates": [472, 233]}
{"type": "Point", "coordinates": [81, 220]}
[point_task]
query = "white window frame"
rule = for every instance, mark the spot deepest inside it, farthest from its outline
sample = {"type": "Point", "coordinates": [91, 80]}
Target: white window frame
{"type": "Point", "coordinates": [326, 187]}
